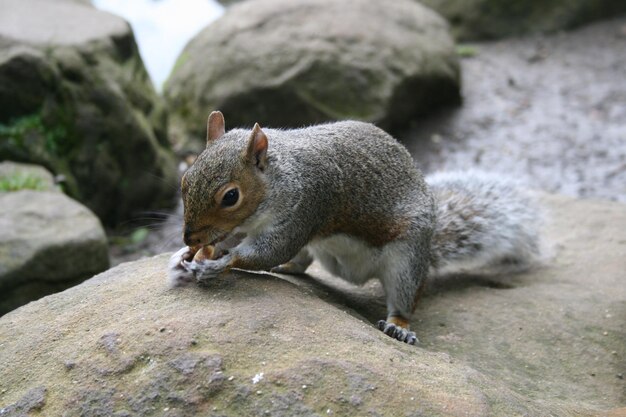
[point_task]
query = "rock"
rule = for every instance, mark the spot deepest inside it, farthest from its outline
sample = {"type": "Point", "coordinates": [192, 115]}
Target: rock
{"type": "Point", "coordinates": [48, 243]}
{"type": "Point", "coordinates": [289, 64]}
{"type": "Point", "coordinates": [15, 176]}
{"type": "Point", "coordinates": [547, 342]}
{"type": "Point", "coordinates": [473, 20]}
{"type": "Point", "coordinates": [75, 98]}
{"type": "Point", "coordinates": [490, 19]}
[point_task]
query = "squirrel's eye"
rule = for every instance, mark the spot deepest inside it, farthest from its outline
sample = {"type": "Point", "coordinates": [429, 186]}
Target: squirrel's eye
{"type": "Point", "coordinates": [230, 198]}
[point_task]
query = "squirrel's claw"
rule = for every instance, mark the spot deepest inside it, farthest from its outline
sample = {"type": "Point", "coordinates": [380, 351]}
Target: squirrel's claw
{"type": "Point", "coordinates": [182, 269]}
{"type": "Point", "coordinates": [209, 269]}
{"type": "Point", "coordinates": [178, 274]}
{"type": "Point", "coordinates": [397, 332]}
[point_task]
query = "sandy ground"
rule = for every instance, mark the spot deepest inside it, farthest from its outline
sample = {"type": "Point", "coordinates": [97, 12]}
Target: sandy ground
{"type": "Point", "coordinates": [549, 111]}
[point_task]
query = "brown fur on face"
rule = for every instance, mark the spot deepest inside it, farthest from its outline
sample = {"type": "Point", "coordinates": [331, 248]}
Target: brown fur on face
{"type": "Point", "coordinates": [206, 219]}
{"type": "Point", "coordinates": [220, 168]}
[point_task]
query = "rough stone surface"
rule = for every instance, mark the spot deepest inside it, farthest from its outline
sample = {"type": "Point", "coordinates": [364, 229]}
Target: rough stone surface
{"type": "Point", "coordinates": [490, 19]}
{"type": "Point", "coordinates": [48, 243]}
{"type": "Point", "coordinates": [547, 342]}
{"type": "Point", "coordinates": [75, 98]}
{"type": "Point", "coordinates": [289, 64]}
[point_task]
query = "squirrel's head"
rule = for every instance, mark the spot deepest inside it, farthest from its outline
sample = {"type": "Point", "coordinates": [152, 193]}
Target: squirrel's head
{"type": "Point", "coordinates": [224, 186]}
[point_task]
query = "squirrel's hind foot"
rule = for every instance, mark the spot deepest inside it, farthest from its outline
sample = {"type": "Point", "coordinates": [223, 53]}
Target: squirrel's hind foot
{"type": "Point", "coordinates": [297, 266]}
{"type": "Point", "coordinates": [290, 268]}
{"type": "Point", "coordinates": [397, 332]}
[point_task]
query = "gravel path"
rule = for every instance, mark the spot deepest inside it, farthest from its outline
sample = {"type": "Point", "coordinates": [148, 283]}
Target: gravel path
{"type": "Point", "coordinates": [550, 111]}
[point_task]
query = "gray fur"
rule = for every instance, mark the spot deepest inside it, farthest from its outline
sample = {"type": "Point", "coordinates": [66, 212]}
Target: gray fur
{"type": "Point", "coordinates": [483, 221]}
{"type": "Point", "coordinates": [314, 172]}
{"type": "Point", "coordinates": [353, 172]}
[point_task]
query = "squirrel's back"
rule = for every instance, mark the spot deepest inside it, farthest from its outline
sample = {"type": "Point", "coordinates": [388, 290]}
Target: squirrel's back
{"type": "Point", "coordinates": [347, 174]}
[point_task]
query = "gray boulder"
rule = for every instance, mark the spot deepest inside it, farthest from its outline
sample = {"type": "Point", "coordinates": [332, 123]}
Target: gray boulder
{"type": "Point", "coordinates": [547, 342]}
{"type": "Point", "coordinates": [75, 98]}
{"type": "Point", "coordinates": [48, 243]}
{"type": "Point", "coordinates": [291, 63]}
{"type": "Point", "coordinates": [490, 19]}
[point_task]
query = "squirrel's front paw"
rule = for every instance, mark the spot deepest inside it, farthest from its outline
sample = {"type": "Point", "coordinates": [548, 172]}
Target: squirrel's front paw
{"type": "Point", "coordinates": [208, 269]}
{"type": "Point", "coordinates": [397, 332]}
{"type": "Point", "coordinates": [177, 272]}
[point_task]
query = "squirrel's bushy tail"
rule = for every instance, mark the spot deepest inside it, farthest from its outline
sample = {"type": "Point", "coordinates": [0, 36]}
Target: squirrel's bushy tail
{"type": "Point", "coordinates": [482, 221]}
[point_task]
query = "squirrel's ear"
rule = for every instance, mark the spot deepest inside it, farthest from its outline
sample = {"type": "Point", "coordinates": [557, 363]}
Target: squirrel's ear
{"type": "Point", "coordinates": [257, 147]}
{"type": "Point", "coordinates": [215, 126]}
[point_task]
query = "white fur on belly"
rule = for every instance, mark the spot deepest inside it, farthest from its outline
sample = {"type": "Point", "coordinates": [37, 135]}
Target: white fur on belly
{"type": "Point", "coordinates": [347, 257]}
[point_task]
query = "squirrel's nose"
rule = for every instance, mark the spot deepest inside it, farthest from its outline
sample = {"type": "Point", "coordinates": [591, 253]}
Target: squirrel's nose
{"type": "Point", "coordinates": [189, 238]}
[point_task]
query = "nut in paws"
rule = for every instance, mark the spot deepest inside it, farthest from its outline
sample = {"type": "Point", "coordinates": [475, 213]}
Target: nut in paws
{"type": "Point", "coordinates": [208, 269]}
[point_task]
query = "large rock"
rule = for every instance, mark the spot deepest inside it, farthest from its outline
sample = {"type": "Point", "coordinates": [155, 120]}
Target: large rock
{"type": "Point", "coordinates": [489, 19]}
{"type": "Point", "coordinates": [75, 97]}
{"type": "Point", "coordinates": [548, 342]}
{"type": "Point", "coordinates": [48, 243]}
{"type": "Point", "coordinates": [288, 64]}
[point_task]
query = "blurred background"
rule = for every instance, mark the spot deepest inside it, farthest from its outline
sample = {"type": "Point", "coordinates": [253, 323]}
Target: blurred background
{"type": "Point", "coordinates": [103, 105]}
{"type": "Point", "coordinates": [162, 28]}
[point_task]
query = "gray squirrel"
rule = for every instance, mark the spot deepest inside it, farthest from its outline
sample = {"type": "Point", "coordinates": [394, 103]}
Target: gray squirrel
{"type": "Point", "coordinates": [349, 195]}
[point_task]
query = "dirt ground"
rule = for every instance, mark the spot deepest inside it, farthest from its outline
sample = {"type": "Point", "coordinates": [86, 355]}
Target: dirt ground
{"type": "Point", "coordinates": [549, 111]}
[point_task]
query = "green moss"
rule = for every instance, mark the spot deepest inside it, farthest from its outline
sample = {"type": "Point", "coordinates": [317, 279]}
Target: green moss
{"type": "Point", "coordinates": [31, 138]}
{"type": "Point", "coordinates": [21, 181]}
{"type": "Point", "coordinates": [17, 129]}
{"type": "Point", "coordinates": [56, 141]}
{"type": "Point", "coordinates": [466, 51]}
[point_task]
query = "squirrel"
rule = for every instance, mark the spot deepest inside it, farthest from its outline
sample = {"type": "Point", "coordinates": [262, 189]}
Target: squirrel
{"type": "Point", "coordinates": [350, 196]}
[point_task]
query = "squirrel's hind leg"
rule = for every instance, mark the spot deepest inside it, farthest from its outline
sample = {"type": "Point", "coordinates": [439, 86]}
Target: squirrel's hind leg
{"type": "Point", "coordinates": [403, 278]}
{"type": "Point", "coordinates": [297, 265]}
{"type": "Point", "coordinates": [397, 328]}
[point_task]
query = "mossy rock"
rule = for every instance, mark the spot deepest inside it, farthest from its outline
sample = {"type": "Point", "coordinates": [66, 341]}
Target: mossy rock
{"type": "Point", "coordinates": [491, 19]}
{"type": "Point", "coordinates": [15, 176]}
{"type": "Point", "coordinates": [80, 103]}
{"type": "Point", "coordinates": [288, 64]}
